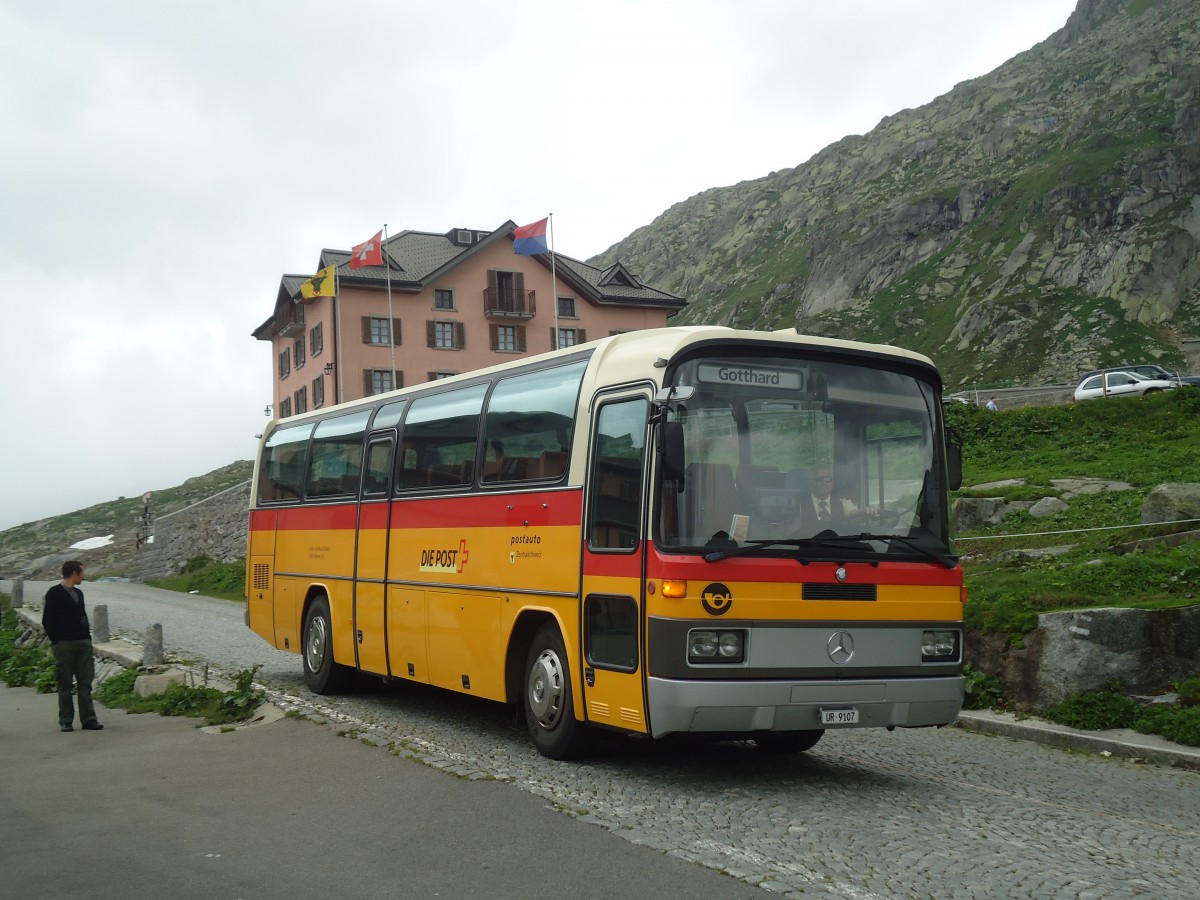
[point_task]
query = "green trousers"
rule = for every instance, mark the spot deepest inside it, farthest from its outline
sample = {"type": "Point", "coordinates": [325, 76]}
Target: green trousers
{"type": "Point", "coordinates": [73, 662]}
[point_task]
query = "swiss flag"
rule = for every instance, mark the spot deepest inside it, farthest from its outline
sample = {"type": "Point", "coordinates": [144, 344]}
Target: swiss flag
{"type": "Point", "coordinates": [368, 253]}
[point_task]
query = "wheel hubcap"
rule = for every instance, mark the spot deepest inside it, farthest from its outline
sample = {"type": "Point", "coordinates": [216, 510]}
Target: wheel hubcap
{"type": "Point", "coordinates": [314, 651]}
{"type": "Point", "coordinates": [546, 689]}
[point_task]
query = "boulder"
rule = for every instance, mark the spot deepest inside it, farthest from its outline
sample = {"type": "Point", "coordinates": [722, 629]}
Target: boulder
{"type": "Point", "coordinates": [1171, 503]}
{"type": "Point", "coordinates": [152, 684]}
{"type": "Point", "coordinates": [1076, 487]}
{"type": "Point", "coordinates": [1033, 554]}
{"type": "Point", "coordinates": [973, 513]}
{"type": "Point", "coordinates": [1145, 649]}
{"type": "Point", "coordinates": [1047, 506]}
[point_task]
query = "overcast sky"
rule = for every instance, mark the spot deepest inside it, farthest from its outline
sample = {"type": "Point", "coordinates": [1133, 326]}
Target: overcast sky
{"type": "Point", "coordinates": [163, 163]}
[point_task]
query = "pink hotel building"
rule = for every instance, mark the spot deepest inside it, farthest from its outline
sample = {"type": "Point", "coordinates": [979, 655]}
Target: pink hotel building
{"type": "Point", "coordinates": [460, 301]}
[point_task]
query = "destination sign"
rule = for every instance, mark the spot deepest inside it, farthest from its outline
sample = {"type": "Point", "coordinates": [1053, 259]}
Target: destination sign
{"type": "Point", "coordinates": [751, 376]}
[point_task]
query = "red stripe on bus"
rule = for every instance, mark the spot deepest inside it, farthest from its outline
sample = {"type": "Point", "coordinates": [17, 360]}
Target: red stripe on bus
{"type": "Point", "coordinates": [542, 508]}
{"type": "Point", "coordinates": [757, 568]}
{"type": "Point", "coordinates": [539, 508]}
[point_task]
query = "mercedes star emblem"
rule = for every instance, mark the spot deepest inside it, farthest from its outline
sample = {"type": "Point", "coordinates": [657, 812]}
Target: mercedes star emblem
{"type": "Point", "coordinates": [840, 647]}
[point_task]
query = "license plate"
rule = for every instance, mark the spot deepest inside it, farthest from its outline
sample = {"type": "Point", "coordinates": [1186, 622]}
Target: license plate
{"type": "Point", "coordinates": [839, 717]}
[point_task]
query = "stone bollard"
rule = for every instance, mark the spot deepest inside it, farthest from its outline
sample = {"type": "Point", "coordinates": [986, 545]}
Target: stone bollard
{"type": "Point", "coordinates": [100, 632]}
{"type": "Point", "coordinates": [153, 647]}
{"type": "Point", "coordinates": [18, 593]}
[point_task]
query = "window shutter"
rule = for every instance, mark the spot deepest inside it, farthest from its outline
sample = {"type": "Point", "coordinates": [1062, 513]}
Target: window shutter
{"type": "Point", "coordinates": [367, 385]}
{"type": "Point", "coordinates": [581, 336]}
{"type": "Point", "coordinates": [430, 333]}
{"type": "Point", "coordinates": [366, 329]}
{"type": "Point", "coordinates": [460, 335]}
{"type": "Point", "coordinates": [553, 338]}
{"type": "Point", "coordinates": [399, 380]}
{"type": "Point", "coordinates": [519, 287]}
{"type": "Point", "coordinates": [494, 337]}
{"type": "Point", "coordinates": [521, 338]}
{"type": "Point", "coordinates": [395, 332]}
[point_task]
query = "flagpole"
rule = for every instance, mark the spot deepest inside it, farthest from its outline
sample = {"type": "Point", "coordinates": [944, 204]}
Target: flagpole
{"type": "Point", "coordinates": [387, 270]}
{"type": "Point", "coordinates": [553, 283]}
{"type": "Point", "coordinates": [337, 332]}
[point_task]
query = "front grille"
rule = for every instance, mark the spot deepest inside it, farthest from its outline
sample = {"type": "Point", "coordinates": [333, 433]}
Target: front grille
{"type": "Point", "coordinates": [839, 592]}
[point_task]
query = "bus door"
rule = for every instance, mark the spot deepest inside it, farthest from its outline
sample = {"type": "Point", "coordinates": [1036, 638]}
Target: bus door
{"type": "Point", "coordinates": [614, 546]}
{"type": "Point", "coordinates": [370, 565]}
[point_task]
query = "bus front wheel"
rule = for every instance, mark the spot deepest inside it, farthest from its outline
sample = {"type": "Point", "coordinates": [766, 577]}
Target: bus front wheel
{"type": "Point", "coordinates": [549, 710]}
{"type": "Point", "coordinates": [321, 673]}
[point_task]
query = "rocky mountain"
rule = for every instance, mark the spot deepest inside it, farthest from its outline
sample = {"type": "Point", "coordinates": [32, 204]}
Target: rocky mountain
{"type": "Point", "coordinates": [1037, 221]}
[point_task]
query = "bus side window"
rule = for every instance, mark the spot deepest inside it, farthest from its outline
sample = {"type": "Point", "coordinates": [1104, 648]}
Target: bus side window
{"type": "Point", "coordinates": [378, 468]}
{"type": "Point", "coordinates": [616, 476]}
{"type": "Point", "coordinates": [336, 455]}
{"type": "Point", "coordinates": [528, 425]}
{"type": "Point", "coordinates": [440, 438]}
{"type": "Point", "coordinates": [284, 458]}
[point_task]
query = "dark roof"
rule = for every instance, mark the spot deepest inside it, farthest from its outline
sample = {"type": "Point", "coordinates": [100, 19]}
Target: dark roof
{"type": "Point", "coordinates": [415, 259]}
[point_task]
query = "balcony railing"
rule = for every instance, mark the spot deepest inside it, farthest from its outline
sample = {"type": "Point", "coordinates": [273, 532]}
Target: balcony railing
{"type": "Point", "coordinates": [499, 303]}
{"type": "Point", "coordinates": [290, 326]}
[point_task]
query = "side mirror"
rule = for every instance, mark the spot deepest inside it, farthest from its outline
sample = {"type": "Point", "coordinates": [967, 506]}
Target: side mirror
{"type": "Point", "coordinates": [954, 459]}
{"type": "Point", "coordinates": [670, 448]}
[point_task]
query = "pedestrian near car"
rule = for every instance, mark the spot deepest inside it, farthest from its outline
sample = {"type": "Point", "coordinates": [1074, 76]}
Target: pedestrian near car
{"type": "Point", "coordinates": [64, 617]}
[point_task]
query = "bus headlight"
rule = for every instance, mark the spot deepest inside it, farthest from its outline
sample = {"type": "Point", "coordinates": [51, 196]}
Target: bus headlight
{"type": "Point", "coordinates": [705, 646]}
{"type": "Point", "coordinates": [939, 646]}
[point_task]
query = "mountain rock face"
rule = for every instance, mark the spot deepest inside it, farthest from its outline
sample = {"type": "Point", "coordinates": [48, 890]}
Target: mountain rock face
{"type": "Point", "coordinates": [1029, 224]}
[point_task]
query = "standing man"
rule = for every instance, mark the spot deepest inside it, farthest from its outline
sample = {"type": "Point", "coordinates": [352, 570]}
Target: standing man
{"type": "Point", "coordinates": [65, 619]}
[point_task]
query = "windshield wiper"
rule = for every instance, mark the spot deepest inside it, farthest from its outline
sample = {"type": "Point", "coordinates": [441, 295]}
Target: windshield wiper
{"type": "Point", "coordinates": [718, 555]}
{"type": "Point", "coordinates": [948, 561]}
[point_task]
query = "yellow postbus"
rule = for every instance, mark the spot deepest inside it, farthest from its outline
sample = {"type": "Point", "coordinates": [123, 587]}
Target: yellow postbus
{"type": "Point", "coordinates": [682, 530]}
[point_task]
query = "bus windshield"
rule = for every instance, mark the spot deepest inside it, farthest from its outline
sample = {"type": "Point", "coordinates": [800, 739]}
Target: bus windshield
{"type": "Point", "coordinates": [819, 458]}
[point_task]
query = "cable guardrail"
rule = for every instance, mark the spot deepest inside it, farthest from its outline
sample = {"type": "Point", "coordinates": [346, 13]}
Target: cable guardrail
{"type": "Point", "coordinates": [992, 537]}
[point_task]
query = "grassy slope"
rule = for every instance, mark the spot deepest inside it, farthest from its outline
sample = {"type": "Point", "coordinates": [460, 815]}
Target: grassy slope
{"type": "Point", "coordinates": [1145, 442]}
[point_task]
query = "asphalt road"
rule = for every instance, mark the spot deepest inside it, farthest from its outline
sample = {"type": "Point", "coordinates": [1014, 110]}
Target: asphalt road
{"type": "Point", "coordinates": [152, 807]}
{"type": "Point", "coordinates": [866, 814]}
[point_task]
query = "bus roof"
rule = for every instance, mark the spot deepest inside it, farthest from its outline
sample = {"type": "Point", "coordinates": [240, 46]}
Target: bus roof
{"type": "Point", "coordinates": [635, 347]}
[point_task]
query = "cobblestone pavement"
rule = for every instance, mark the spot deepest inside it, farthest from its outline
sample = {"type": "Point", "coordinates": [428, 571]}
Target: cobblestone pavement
{"type": "Point", "coordinates": [866, 814]}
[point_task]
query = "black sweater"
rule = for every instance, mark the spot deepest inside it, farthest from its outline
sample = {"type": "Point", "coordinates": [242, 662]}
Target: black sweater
{"type": "Point", "coordinates": [63, 618]}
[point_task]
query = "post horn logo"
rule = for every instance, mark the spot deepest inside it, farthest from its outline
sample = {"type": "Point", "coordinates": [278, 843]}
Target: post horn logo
{"type": "Point", "coordinates": [717, 599]}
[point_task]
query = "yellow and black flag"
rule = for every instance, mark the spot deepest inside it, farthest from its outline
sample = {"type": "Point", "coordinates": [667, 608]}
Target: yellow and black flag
{"type": "Point", "coordinates": [323, 284]}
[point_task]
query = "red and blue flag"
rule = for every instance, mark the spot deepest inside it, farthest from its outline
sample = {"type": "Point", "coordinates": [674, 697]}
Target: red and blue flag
{"type": "Point", "coordinates": [530, 239]}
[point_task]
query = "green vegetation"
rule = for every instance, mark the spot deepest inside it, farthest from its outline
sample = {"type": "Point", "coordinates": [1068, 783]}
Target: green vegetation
{"type": "Point", "coordinates": [33, 666]}
{"type": "Point", "coordinates": [201, 575]}
{"type": "Point", "coordinates": [1109, 708]}
{"type": "Point", "coordinates": [1096, 439]}
{"type": "Point", "coordinates": [216, 707]}
{"type": "Point", "coordinates": [982, 690]}
{"type": "Point", "coordinates": [22, 666]}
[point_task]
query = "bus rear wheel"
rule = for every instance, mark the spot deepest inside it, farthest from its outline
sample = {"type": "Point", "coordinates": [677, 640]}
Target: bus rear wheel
{"type": "Point", "coordinates": [321, 673]}
{"type": "Point", "coordinates": [549, 708]}
{"type": "Point", "coordinates": [788, 741]}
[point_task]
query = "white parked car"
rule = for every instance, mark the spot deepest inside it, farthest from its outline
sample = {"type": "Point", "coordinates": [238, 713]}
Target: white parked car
{"type": "Point", "coordinates": [1120, 384]}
